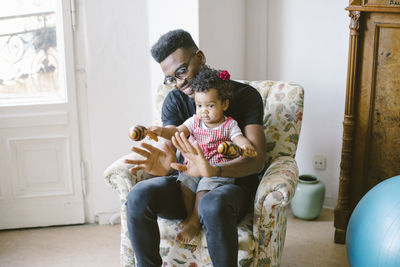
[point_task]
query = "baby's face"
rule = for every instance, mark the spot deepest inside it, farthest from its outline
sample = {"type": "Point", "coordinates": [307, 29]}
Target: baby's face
{"type": "Point", "coordinates": [209, 108]}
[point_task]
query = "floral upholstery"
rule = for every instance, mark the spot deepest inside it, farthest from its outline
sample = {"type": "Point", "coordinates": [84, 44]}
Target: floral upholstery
{"type": "Point", "coordinates": [261, 233]}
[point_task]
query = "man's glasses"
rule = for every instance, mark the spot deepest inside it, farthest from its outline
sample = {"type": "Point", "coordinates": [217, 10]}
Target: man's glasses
{"type": "Point", "coordinates": [180, 73]}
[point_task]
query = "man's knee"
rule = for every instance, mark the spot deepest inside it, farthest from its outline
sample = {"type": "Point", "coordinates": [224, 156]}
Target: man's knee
{"type": "Point", "coordinates": [217, 204]}
{"type": "Point", "coordinates": [139, 198]}
{"type": "Point", "coordinates": [137, 192]}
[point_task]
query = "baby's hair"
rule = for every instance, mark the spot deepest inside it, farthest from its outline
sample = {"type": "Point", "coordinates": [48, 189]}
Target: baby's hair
{"type": "Point", "coordinates": [170, 41]}
{"type": "Point", "coordinates": [208, 78]}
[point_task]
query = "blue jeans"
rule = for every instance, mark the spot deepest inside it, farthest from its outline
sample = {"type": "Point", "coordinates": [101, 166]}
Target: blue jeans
{"type": "Point", "coordinates": [219, 210]}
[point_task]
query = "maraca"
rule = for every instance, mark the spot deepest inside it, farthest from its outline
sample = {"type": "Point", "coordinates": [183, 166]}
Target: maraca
{"type": "Point", "coordinates": [232, 150]}
{"type": "Point", "coordinates": [139, 132]}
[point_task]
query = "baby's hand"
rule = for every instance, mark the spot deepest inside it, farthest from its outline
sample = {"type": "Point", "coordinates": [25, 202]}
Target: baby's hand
{"type": "Point", "coordinates": [155, 129]}
{"type": "Point", "coordinates": [249, 151]}
{"type": "Point", "coordinates": [138, 132]}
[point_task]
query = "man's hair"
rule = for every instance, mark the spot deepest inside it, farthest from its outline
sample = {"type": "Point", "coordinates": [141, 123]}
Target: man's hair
{"type": "Point", "coordinates": [171, 41]}
{"type": "Point", "coordinates": [208, 78]}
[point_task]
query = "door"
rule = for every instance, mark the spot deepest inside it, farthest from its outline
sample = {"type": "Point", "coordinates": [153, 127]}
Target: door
{"type": "Point", "coordinates": [40, 182]}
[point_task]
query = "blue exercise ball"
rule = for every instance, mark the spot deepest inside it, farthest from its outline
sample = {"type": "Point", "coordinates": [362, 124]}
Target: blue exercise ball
{"type": "Point", "coordinates": [373, 232]}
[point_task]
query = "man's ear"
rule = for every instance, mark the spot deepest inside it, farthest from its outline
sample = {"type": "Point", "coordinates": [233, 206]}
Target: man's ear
{"type": "Point", "coordinates": [202, 57]}
{"type": "Point", "coordinates": [225, 104]}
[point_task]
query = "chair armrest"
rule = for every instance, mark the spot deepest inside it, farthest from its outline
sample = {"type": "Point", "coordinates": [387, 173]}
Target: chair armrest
{"type": "Point", "coordinates": [117, 176]}
{"type": "Point", "coordinates": [280, 180]}
{"type": "Point", "coordinates": [274, 194]}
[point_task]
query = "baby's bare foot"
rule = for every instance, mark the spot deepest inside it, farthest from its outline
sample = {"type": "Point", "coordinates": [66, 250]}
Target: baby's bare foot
{"type": "Point", "coordinates": [181, 225]}
{"type": "Point", "coordinates": [188, 231]}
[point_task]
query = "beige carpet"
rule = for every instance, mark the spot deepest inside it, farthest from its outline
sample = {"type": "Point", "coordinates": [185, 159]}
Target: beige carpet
{"type": "Point", "coordinates": [308, 243]}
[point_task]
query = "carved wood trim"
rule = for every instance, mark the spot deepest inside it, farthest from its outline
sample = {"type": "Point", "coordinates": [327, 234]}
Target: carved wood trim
{"type": "Point", "coordinates": [381, 9]}
{"type": "Point", "coordinates": [342, 210]}
{"type": "Point", "coordinates": [355, 2]}
{"type": "Point", "coordinates": [354, 22]}
{"type": "Point", "coordinates": [392, 2]}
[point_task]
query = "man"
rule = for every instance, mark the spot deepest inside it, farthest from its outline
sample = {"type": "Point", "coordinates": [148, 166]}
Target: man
{"type": "Point", "coordinates": [222, 208]}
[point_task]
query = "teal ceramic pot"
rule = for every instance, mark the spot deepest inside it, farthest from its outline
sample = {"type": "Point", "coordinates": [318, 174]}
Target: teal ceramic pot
{"type": "Point", "coordinates": [308, 198]}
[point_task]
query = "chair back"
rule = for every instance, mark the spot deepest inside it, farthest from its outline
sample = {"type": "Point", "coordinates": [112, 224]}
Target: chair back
{"type": "Point", "coordinates": [283, 114]}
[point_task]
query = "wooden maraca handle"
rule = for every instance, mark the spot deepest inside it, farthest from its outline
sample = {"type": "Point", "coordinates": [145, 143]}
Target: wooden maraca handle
{"type": "Point", "coordinates": [232, 150]}
{"type": "Point", "coordinates": [139, 132]}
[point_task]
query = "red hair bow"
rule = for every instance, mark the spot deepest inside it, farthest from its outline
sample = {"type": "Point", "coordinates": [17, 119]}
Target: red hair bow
{"type": "Point", "coordinates": [224, 75]}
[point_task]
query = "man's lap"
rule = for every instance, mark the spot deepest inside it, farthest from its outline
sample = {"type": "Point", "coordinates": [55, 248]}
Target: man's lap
{"type": "Point", "coordinates": [166, 199]}
{"type": "Point", "coordinates": [203, 184]}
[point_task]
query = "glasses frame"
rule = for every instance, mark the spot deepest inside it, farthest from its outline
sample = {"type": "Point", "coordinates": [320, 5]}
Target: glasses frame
{"type": "Point", "coordinates": [171, 80]}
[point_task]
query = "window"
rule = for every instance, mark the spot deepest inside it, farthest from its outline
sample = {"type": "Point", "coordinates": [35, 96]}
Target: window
{"type": "Point", "coordinates": [29, 53]}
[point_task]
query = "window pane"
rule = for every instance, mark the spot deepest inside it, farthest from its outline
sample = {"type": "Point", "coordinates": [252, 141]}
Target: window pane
{"type": "Point", "coordinates": [29, 71]}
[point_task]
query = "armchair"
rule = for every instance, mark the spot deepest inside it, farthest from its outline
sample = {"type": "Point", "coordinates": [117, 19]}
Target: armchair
{"type": "Point", "coordinates": [262, 232]}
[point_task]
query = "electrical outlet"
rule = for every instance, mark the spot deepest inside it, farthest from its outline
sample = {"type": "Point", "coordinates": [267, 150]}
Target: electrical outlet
{"type": "Point", "coordinates": [319, 162]}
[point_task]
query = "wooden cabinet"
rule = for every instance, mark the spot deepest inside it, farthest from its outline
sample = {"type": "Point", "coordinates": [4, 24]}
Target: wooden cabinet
{"type": "Point", "coordinates": [371, 126]}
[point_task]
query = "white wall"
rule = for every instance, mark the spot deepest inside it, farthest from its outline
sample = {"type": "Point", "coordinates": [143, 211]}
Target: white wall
{"type": "Point", "coordinates": [222, 36]}
{"type": "Point", "coordinates": [256, 40]}
{"type": "Point", "coordinates": [163, 17]}
{"type": "Point", "coordinates": [308, 43]}
{"type": "Point", "coordinates": [113, 79]}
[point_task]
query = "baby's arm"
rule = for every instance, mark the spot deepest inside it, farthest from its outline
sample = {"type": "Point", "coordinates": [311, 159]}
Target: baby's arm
{"type": "Point", "coordinates": [240, 140]}
{"type": "Point", "coordinates": [244, 143]}
{"type": "Point", "coordinates": [169, 131]}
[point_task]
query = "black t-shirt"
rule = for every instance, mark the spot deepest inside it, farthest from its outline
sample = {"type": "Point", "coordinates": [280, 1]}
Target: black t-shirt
{"type": "Point", "coordinates": [246, 107]}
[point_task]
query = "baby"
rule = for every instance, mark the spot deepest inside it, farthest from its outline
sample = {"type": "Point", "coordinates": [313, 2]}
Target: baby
{"type": "Point", "coordinates": [209, 127]}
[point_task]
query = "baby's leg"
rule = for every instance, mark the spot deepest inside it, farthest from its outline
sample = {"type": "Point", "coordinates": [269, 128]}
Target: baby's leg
{"type": "Point", "coordinates": [191, 226]}
{"type": "Point", "coordinates": [188, 186]}
{"type": "Point", "coordinates": [188, 199]}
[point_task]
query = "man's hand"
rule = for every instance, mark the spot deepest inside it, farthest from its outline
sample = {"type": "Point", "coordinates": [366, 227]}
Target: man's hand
{"type": "Point", "coordinates": [197, 164]}
{"type": "Point", "coordinates": [156, 161]}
